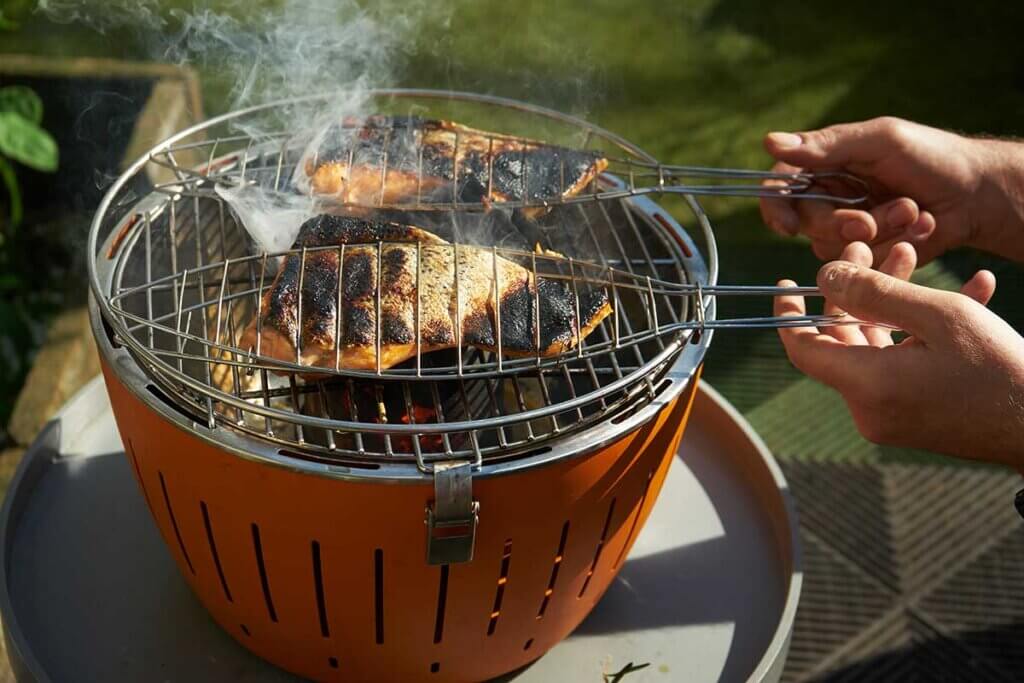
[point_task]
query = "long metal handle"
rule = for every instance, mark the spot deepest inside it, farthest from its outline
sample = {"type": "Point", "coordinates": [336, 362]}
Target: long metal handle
{"type": "Point", "coordinates": [780, 321]}
{"type": "Point", "coordinates": [670, 178]}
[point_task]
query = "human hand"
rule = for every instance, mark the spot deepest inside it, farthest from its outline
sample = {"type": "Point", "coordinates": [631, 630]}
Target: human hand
{"type": "Point", "coordinates": [935, 189]}
{"type": "Point", "coordinates": [955, 386]}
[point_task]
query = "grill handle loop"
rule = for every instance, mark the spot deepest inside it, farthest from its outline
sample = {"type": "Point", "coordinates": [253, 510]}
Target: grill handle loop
{"type": "Point", "coordinates": [453, 515]}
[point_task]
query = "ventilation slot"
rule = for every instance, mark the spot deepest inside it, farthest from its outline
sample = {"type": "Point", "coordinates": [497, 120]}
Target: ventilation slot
{"type": "Point", "coordinates": [257, 548]}
{"type": "Point", "coordinates": [506, 561]}
{"type": "Point", "coordinates": [138, 473]}
{"type": "Point", "coordinates": [332, 662]}
{"type": "Point", "coordinates": [213, 550]}
{"type": "Point", "coordinates": [636, 521]}
{"type": "Point", "coordinates": [318, 579]}
{"type": "Point", "coordinates": [378, 590]}
{"type": "Point", "coordinates": [435, 667]}
{"type": "Point", "coordinates": [442, 598]}
{"type": "Point", "coordinates": [600, 548]}
{"type": "Point", "coordinates": [174, 523]}
{"type": "Point", "coordinates": [336, 462]}
{"type": "Point", "coordinates": [528, 645]}
{"type": "Point", "coordinates": [109, 332]}
{"type": "Point", "coordinates": [554, 571]}
{"type": "Point", "coordinates": [153, 389]}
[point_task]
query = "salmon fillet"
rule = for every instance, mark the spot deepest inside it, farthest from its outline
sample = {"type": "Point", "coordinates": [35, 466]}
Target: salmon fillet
{"type": "Point", "coordinates": [391, 160]}
{"type": "Point", "coordinates": [390, 254]}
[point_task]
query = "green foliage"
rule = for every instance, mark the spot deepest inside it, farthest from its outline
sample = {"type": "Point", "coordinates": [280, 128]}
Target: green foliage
{"type": "Point", "coordinates": [25, 141]}
{"type": "Point", "coordinates": [22, 100]}
{"type": "Point", "coordinates": [12, 12]}
{"type": "Point", "coordinates": [22, 139]}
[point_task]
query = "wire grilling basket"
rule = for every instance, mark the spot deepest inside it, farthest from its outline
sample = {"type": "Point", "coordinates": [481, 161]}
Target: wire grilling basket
{"type": "Point", "coordinates": [181, 286]}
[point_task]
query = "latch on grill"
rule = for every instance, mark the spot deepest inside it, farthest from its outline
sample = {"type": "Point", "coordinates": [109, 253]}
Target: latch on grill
{"type": "Point", "coordinates": [453, 516]}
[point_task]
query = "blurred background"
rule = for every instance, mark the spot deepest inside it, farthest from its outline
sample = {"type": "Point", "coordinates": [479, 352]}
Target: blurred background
{"type": "Point", "coordinates": [86, 87]}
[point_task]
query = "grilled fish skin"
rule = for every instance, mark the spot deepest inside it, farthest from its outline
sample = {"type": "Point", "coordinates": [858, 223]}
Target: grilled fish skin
{"type": "Point", "coordinates": [394, 159]}
{"type": "Point", "coordinates": [398, 257]}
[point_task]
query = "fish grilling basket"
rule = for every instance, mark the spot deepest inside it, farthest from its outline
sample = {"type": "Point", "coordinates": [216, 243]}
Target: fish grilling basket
{"type": "Point", "coordinates": [405, 508]}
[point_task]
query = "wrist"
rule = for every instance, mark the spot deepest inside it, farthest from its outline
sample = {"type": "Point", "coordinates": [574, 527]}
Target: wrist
{"type": "Point", "coordinates": [997, 224]}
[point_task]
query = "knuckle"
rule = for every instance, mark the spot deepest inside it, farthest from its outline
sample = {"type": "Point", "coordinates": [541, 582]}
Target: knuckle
{"type": "Point", "coordinates": [891, 126]}
{"type": "Point", "coordinates": [826, 137]}
{"type": "Point", "coordinates": [958, 313]}
{"type": "Point", "coordinates": [872, 292]}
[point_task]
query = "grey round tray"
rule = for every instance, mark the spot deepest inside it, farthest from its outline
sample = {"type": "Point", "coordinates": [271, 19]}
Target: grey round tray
{"type": "Point", "coordinates": [88, 592]}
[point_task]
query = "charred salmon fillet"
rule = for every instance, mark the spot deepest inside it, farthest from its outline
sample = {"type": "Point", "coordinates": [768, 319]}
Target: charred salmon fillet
{"type": "Point", "coordinates": [391, 160]}
{"type": "Point", "coordinates": [299, 312]}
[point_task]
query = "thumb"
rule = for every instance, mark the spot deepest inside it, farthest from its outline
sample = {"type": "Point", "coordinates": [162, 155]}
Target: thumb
{"type": "Point", "coordinates": [876, 297]}
{"type": "Point", "coordinates": [836, 146]}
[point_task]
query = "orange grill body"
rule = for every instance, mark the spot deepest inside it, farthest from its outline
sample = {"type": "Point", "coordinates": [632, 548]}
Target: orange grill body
{"type": "Point", "coordinates": [328, 578]}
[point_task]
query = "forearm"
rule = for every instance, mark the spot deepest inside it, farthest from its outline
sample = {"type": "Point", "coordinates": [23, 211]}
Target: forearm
{"type": "Point", "coordinates": [998, 222]}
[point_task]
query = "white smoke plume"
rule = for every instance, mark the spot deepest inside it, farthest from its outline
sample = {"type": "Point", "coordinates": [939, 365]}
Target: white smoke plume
{"type": "Point", "coordinates": [262, 52]}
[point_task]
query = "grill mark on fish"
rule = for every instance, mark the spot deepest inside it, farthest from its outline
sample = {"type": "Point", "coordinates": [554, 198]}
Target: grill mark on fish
{"type": "Point", "coordinates": [520, 169]}
{"type": "Point", "coordinates": [397, 260]}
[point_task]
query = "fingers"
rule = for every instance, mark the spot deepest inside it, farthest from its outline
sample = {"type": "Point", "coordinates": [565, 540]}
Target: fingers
{"type": "Point", "coordinates": [981, 287]}
{"type": "Point", "coordinates": [899, 263]}
{"type": "Point", "coordinates": [780, 214]}
{"type": "Point", "coordinates": [878, 297]}
{"type": "Point", "coordinates": [860, 254]}
{"type": "Point", "coordinates": [834, 226]}
{"type": "Point", "coordinates": [864, 142]}
{"type": "Point", "coordinates": [831, 227]}
{"type": "Point", "coordinates": [825, 358]}
{"type": "Point", "coordinates": [918, 234]}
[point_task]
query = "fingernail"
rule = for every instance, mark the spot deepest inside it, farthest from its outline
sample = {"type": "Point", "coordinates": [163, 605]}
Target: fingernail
{"type": "Point", "coordinates": [899, 216]}
{"type": "Point", "coordinates": [835, 276]}
{"type": "Point", "coordinates": [785, 140]}
{"type": "Point", "coordinates": [919, 229]}
{"type": "Point", "coordinates": [854, 231]}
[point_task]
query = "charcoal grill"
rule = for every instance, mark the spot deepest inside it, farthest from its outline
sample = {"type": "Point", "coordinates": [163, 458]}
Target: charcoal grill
{"type": "Point", "coordinates": [451, 518]}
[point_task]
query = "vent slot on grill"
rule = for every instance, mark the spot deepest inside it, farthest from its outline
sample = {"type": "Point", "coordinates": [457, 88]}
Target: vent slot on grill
{"type": "Point", "coordinates": [554, 571]}
{"type": "Point", "coordinates": [138, 473]}
{"type": "Point", "coordinates": [599, 549]}
{"type": "Point", "coordinates": [257, 547]}
{"type": "Point", "coordinates": [442, 599]}
{"type": "Point", "coordinates": [378, 595]}
{"type": "Point", "coordinates": [318, 581]}
{"type": "Point", "coordinates": [636, 522]}
{"type": "Point", "coordinates": [499, 595]}
{"type": "Point", "coordinates": [213, 550]}
{"type": "Point", "coordinates": [174, 524]}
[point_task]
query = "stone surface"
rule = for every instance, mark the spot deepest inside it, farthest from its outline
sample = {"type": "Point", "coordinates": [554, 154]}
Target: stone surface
{"type": "Point", "coordinates": [10, 458]}
{"type": "Point", "coordinates": [67, 361]}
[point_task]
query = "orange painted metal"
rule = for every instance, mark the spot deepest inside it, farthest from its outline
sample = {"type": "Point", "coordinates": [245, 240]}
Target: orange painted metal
{"type": "Point", "coordinates": [328, 578]}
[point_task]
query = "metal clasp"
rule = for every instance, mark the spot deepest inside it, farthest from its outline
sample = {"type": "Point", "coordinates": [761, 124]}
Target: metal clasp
{"type": "Point", "coordinates": [452, 517]}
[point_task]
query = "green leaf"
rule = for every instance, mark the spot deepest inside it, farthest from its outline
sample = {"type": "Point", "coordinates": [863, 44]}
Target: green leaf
{"type": "Point", "coordinates": [11, 181]}
{"type": "Point", "coordinates": [24, 141]}
{"type": "Point", "coordinates": [22, 100]}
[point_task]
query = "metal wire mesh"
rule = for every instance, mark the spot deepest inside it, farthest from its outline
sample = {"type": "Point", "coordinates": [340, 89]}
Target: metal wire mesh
{"type": "Point", "coordinates": [180, 283]}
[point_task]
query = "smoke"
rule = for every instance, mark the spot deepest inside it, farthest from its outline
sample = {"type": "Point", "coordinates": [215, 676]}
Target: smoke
{"type": "Point", "coordinates": [256, 53]}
